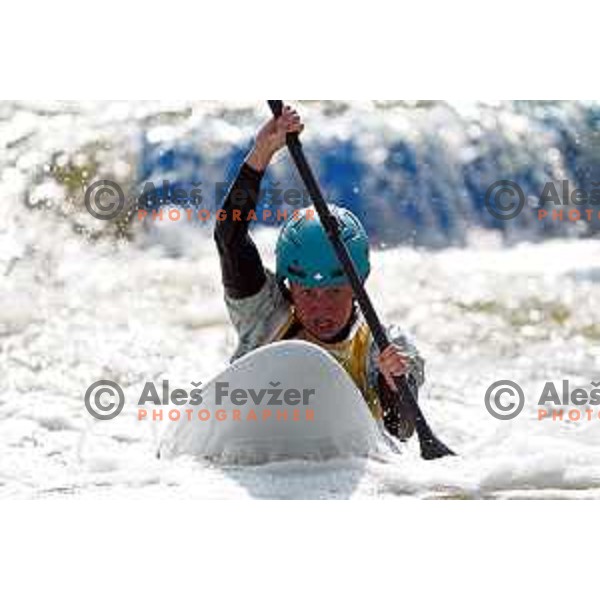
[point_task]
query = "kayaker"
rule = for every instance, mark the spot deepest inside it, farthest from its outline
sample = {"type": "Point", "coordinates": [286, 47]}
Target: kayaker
{"type": "Point", "coordinates": [308, 297]}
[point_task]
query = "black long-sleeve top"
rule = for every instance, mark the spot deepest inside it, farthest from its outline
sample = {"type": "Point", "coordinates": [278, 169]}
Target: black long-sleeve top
{"type": "Point", "coordinates": [241, 266]}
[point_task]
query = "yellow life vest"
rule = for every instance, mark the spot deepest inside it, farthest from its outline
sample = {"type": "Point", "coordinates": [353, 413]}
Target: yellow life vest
{"type": "Point", "coordinates": [351, 353]}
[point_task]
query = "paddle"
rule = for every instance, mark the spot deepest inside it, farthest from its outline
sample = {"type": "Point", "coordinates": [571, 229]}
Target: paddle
{"type": "Point", "coordinates": [431, 446]}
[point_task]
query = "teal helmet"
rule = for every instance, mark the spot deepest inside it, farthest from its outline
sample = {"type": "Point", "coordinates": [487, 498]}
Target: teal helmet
{"type": "Point", "coordinates": [305, 255]}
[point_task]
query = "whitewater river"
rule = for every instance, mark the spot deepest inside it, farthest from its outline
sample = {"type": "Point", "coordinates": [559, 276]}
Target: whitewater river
{"type": "Point", "coordinates": [74, 310]}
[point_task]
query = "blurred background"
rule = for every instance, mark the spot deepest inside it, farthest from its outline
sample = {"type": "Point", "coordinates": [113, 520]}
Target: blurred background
{"type": "Point", "coordinates": [416, 172]}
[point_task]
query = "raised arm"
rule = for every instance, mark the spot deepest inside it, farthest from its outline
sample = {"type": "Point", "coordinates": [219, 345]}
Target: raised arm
{"type": "Point", "coordinates": [241, 266]}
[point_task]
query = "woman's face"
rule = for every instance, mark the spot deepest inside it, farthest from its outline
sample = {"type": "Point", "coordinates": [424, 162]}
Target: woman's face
{"type": "Point", "coordinates": [324, 311]}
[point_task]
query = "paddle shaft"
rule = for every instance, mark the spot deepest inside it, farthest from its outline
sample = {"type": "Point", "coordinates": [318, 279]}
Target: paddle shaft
{"type": "Point", "coordinates": [331, 226]}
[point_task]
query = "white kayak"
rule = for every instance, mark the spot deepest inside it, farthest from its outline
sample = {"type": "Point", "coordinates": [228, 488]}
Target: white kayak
{"type": "Point", "coordinates": [286, 400]}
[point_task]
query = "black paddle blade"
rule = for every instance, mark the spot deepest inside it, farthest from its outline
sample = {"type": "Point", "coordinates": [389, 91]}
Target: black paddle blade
{"type": "Point", "coordinates": [406, 402]}
{"type": "Point", "coordinates": [433, 448]}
